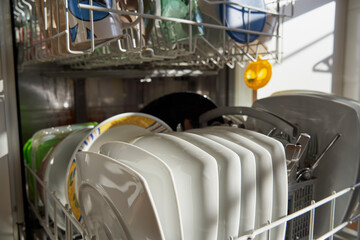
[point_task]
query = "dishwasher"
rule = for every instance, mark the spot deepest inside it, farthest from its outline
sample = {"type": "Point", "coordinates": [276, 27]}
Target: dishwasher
{"type": "Point", "coordinates": [73, 68]}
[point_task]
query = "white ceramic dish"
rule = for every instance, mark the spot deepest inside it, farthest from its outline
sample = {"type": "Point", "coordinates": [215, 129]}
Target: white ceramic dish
{"type": "Point", "coordinates": [41, 144]}
{"type": "Point", "coordinates": [122, 127]}
{"type": "Point", "coordinates": [53, 134]}
{"type": "Point", "coordinates": [229, 182]}
{"type": "Point", "coordinates": [160, 181]}
{"type": "Point", "coordinates": [55, 171]}
{"type": "Point", "coordinates": [112, 186]}
{"type": "Point", "coordinates": [100, 215]}
{"type": "Point", "coordinates": [264, 175]}
{"type": "Point", "coordinates": [43, 173]}
{"type": "Point", "coordinates": [247, 180]}
{"type": "Point", "coordinates": [196, 181]}
{"type": "Point", "coordinates": [280, 196]}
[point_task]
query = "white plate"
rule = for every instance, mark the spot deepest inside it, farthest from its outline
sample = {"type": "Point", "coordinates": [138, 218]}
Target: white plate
{"type": "Point", "coordinates": [43, 173]}
{"type": "Point", "coordinates": [247, 181]}
{"type": "Point", "coordinates": [264, 176]}
{"type": "Point", "coordinates": [100, 214]}
{"type": "Point", "coordinates": [124, 127]}
{"type": "Point", "coordinates": [111, 185]}
{"type": "Point", "coordinates": [55, 171]}
{"type": "Point", "coordinates": [229, 182]}
{"type": "Point", "coordinates": [159, 178]}
{"type": "Point", "coordinates": [280, 196]}
{"type": "Point", "coordinates": [196, 182]}
{"type": "Point", "coordinates": [42, 143]}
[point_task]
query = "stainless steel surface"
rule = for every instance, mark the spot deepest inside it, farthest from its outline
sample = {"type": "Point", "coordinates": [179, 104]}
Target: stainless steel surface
{"type": "Point", "coordinates": [292, 152]}
{"type": "Point", "coordinates": [11, 202]}
{"type": "Point", "coordinates": [306, 173]}
{"type": "Point", "coordinates": [50, 100]}
{"type": "Point", "coordinates": [303, 141]}
{"type": "Point", "coordinates": [132, 73]}
{"type": "Point", "coordinates": [44, 102]}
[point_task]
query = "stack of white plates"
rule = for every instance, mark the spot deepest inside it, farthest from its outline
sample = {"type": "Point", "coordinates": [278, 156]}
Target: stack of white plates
{"type": "Point", "coordinates": [58, 168]}
{"type": "Point", "coordinates": [210, 183]}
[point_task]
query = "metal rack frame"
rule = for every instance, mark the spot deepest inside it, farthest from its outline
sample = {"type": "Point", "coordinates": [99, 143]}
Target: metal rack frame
{"type": "Point", "coordinates": [131, 47]}
{"type": "Point", "coordinates": [71, 223]}
{"type": "Point", "coordinates": [42, 212]}
{"type": "Point", "coordinates": [332, 229]}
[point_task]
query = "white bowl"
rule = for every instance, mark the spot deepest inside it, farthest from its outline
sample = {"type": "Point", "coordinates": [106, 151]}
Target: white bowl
{"type": "Point", "coordinates": [122, 127]}
{"type": "Point", "coordinates": [160, 181]}
{"type": "Point", "coordinates": [55, 171]}
{"type": "Point", "coordinates": [107, 185]}
{"type": "Point", "coordinates": [100, 214]}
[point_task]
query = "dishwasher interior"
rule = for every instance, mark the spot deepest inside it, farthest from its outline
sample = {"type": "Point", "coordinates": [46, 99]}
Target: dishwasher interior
{"type": "Point", "coordinates": [69, 72]}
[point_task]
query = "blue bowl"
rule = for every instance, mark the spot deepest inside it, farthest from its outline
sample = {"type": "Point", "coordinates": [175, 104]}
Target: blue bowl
{"type": "Point", "coordinates": [238, 17]}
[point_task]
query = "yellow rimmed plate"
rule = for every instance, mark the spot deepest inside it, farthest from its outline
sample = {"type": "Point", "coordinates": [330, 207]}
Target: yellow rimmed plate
{"type": "Point", "coordinates": [123, 127]}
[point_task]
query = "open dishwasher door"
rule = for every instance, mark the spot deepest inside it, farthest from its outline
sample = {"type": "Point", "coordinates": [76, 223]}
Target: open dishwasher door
{"type": "Point", "coordinates": [11, 201]}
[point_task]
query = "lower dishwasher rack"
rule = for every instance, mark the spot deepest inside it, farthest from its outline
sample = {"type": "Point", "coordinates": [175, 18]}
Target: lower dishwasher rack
{"type": "Point", "coordinates": [75, 230]}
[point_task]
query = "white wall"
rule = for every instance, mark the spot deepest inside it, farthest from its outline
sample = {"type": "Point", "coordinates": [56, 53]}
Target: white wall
{"type": "Point", "coordinates": [308, 43]}
{"type": "Point", "coordinates": [351, 75]}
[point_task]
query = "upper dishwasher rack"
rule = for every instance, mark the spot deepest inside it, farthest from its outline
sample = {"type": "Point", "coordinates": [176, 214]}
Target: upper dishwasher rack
{"type": "Point", "coordinates": [44, 34]}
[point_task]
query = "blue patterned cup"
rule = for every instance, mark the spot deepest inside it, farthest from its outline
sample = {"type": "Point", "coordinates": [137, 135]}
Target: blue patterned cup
{"type": "Point", "coordinates": [107, 25]}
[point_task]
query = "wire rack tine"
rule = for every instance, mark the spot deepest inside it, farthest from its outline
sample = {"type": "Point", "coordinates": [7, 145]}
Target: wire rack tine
{"type": "Point", "coordinates": [44, 34]}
